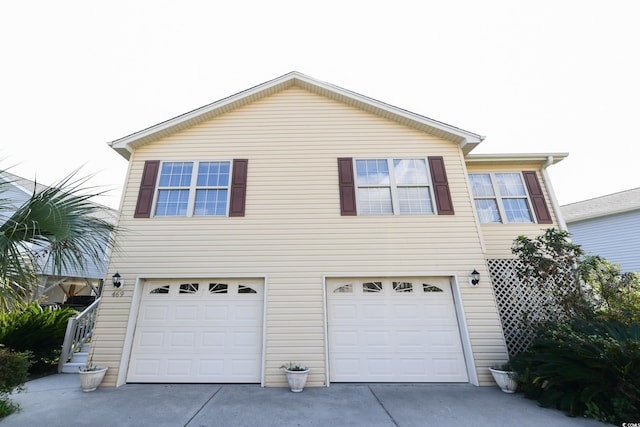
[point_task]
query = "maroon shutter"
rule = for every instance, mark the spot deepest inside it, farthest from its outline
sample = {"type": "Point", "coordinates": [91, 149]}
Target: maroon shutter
{"type": "Point", "coordinates": [537, 197]}
{"type": "Point", "coordinates": [347, 187]}
{"type": "Point", "coordinates": [147, 187]}
{"type": "Point", "coordinates": [441, 186]}
{"type": "Point", "coordinates": [238, 187]}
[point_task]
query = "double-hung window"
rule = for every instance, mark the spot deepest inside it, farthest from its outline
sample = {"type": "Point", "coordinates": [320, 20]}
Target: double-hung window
{"type": "Point", "coordinates": [393, 186]}
{"type": "Point", "coordinates": [193, 189]}
{"type": "Point", "coordinates": [501, 197]}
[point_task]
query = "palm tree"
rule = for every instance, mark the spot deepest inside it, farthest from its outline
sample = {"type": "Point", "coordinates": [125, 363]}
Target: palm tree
{"type": "Point", "coordinates": [58, 226]}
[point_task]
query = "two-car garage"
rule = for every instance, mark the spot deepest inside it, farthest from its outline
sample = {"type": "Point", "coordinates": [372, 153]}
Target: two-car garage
{"type": "Point", "coordinates": [378, 330]}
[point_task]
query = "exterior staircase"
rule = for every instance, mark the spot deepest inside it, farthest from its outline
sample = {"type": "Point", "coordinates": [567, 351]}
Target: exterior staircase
{"type": "Point", "coordinates": [75, 348]}
{"type": "Point", "coordinates": [78, 359]}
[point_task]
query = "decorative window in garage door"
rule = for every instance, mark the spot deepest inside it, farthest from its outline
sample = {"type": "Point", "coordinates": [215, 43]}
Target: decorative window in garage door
{"type": "Point", "coordinates": [195, 289]}
{"type": "Point", "coordinates": [430, 288]}
{"type": "Point", "coordinates": [189, 288]}
{"type": "Point", "coordinates": [244, 289]}
{"type": "Point", "coordinates": [372, 287]}
{"type": "Point", "coordinates": [344, 289]}
{"type": "Point", "coordinates": [403, 286]}
{"type": "Point", "coordinates": [218, 288]}
{"type": "Point", "coordinates": [160, 290]}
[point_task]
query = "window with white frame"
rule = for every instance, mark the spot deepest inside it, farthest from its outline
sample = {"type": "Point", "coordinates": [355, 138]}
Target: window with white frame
{"type": "Point", "coordinates": [500, 197]}
{"type": "Point", "coordinates": [181, 192]}
{"type": "Point", "coordinates": [393, 186]}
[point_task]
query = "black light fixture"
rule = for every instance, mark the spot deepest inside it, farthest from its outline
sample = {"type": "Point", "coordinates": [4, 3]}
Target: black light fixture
{"type": "Point", "coordinates": [116, 280]}
{"type": "Point", "coordinates": [475, 278]}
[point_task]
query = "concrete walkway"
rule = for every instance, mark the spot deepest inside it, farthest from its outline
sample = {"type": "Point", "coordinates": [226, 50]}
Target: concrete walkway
{"type": "Point", "coordinates": [58, 401]}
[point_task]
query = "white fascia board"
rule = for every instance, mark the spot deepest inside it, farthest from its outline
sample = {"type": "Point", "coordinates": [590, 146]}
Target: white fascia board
{"type": "Point", "coordinates": [466, 136]}
{"type": "Point", "coordinates": [516, 157]}
{"type": "Point", "coordinates": [124, 145]}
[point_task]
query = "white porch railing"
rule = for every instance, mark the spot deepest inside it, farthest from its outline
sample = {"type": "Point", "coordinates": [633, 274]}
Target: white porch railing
{"type": "Point", "coordinates": [79, 328]}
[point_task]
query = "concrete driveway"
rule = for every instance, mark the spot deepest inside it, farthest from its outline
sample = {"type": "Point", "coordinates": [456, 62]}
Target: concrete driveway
{"type": "Point", "coordinates": [58, 401]}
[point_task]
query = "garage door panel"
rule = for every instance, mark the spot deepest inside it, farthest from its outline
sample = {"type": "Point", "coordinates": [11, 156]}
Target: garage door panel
{"type": "Point", "coordinates": [186, 340]}
{"type": "Point", "coordinates": [156, 312]}
{"type": "Point", "coordinates": [406, 332]}
{"type": "Point", "coordinates": [381, 366]}
{"type": "Point", "coordinates": [212, 341]}
{"type": "Point", "coordinates": [151, 339]}
{"type": "Point", "coordinates": [199, 336]}
{"type": "Point", "coordinates": [345, 339]}
{"type": "Point", "coordinates": [345, 311]}
{"type": "Point", "coordinates": [146, 367]}
{"type": "Point", "coordinates": [377, 340]}
{"type": "Point", "coordinates": [215, 312]}
{"type": "Point", "coordinates": [410, 340]}
{"type": "Point", "coordinates": [406, 311]}
{"type": "Point", "coordinates": [373, 312]}
{"type": "Point", "coordinates": [180, 367]}
{"type": "Point", "coordinates": [186, 312]}
{"type": "Point", "coordinates": [211, 367]}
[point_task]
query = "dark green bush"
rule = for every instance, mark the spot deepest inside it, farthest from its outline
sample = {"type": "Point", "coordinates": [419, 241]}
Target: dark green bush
{"type": "Point", "coordinates": [39, 330]}
{"type": "Point", "coordinates": [585, 368]}
{"type": "Point", "coordinates": [14, 370]}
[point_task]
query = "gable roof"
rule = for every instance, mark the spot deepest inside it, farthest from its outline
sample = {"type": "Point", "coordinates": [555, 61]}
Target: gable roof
{"type": "Point", "coordinates": [610, 204]}
{"type": "Point", "coordinates": [126, 145]}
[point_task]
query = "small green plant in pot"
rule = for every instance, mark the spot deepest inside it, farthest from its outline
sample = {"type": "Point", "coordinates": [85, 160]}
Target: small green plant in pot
{"type": "Point", "coordinates": [506, 378]}
{"type": "Point", "coordinates": [296, 375]}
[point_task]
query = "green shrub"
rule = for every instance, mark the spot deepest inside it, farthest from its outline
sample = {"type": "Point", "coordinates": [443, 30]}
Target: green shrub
{"type": "Point", "coordinates": [37, 330]}
{"type": "Point", "coordinates": [585, 368]}
{"type": "Point", "coordinates": [14, 370]}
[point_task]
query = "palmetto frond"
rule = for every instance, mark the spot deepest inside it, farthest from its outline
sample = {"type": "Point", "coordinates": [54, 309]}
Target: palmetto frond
{"type": "Point", "coordinates": [58, 227]}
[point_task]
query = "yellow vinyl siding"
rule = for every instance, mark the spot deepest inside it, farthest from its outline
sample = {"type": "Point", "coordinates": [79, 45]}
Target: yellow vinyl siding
{"type": "Point", "coordinates": [292, 231]}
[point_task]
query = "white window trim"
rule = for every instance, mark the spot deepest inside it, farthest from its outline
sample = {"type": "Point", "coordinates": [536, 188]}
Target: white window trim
{"type": "Point", "coordinates": [498, 198]}
{"type": "Point", "coordinates": [192, 189]}
{"type": "Point", "coordinates": [395, 204]}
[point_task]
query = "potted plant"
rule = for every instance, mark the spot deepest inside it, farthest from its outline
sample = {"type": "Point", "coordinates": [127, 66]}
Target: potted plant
{"type": "Point", "coordinates": [91, 375]}
{"type": "Point", "coordinates": [505, 377]}
{"type": "Point", "coordinates": [296, 375]}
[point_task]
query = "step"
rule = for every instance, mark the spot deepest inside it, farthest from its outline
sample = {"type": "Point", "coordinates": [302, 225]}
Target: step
{"type": "Point", "coordinates": [71, 367]}
{"type": "Point", "coordinates": [80, 357]}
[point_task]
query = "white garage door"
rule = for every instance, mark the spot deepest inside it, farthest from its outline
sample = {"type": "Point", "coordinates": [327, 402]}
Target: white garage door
{"type": "Point", "coordinates": [202, 331]}
{"type": "Point", "coordinates": [397, 330]}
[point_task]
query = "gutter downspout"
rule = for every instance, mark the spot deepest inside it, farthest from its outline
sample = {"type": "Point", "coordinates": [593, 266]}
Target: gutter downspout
{"type": "Point", "coordinates": [552, 195]}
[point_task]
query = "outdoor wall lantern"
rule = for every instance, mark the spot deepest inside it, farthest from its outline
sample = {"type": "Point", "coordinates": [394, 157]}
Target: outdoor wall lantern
{"type": "Point", "coordinates": [117, 283]}
{"type": "Point", "coordinates": [474, 279]}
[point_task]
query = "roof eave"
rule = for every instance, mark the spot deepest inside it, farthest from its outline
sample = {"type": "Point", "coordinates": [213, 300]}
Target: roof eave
{"type": "Point", "coordinates": [126, 145]}
{"type": "Point", "coordinates": [585, 217]}
{"type": "Point", "coordinates": [542, 158]}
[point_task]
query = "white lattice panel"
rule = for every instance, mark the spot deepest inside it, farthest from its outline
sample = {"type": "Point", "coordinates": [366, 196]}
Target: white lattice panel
{"type": "Point", "coordinates": [521, 305]}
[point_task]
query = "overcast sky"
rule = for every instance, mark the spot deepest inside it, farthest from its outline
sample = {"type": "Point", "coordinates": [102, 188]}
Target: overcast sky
{"type": "Point", "coordinates": [531, 76]}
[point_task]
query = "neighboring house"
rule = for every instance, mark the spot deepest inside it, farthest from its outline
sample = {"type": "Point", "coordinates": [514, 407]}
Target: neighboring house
{"type": "Point", "coordinates": [301, 221]}
{"type": "Point", "coordinates": [608, 226]}
{"type": "Point", "coordinates": [54, 288]}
